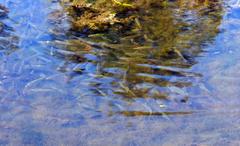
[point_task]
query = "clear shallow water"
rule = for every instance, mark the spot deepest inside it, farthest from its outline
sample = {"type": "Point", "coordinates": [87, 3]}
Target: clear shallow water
{"type": "Point", "coordinates": [56, 89]}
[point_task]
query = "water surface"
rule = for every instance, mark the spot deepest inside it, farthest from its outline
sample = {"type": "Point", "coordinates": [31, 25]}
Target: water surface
{"type": "Point", "coordinates": [174, 82]}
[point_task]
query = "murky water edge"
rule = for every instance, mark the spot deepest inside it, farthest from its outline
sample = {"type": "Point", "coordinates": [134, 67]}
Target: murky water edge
{"type": "Point", "coordinates": [54, 91]}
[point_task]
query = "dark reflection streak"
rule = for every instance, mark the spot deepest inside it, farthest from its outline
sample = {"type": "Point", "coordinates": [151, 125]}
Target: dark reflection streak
{"type": "Point", "coordinates": [8, 41]}
{"type": "Point", "coordinates": [141, 113]}
{"type": "Point", "coordinates": [167, 113]}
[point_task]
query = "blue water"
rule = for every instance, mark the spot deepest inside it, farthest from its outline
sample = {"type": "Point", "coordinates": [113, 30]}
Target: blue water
{"type": "Point", "coordinates": [50, 95]}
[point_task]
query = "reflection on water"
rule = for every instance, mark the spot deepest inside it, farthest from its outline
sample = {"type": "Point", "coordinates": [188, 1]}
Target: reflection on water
{"type": "Point", "coordinates": [166, 82]}
{"type": "Point", "coordinates": [151, 61]}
